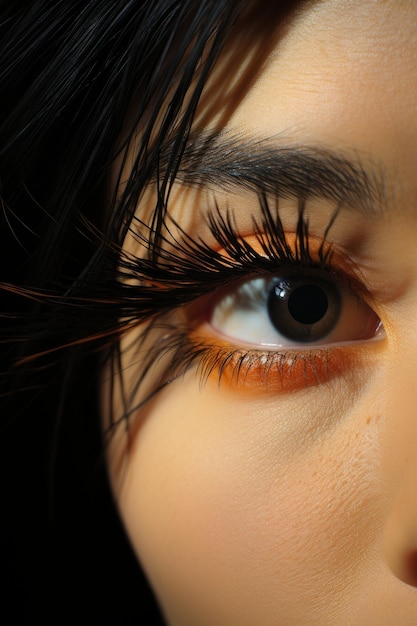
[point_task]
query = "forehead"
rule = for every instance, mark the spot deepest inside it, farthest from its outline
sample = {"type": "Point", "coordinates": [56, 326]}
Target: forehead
{"type": "Point", "coordinates": [335, 54]}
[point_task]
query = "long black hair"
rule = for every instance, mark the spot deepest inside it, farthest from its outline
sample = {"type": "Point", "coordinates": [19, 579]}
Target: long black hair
{"type": "Point", "coordinates": [77, 80]}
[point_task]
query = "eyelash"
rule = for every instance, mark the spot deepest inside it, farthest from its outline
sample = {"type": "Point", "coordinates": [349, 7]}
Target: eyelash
{"type": "Point", "coordinates": [188, 268]}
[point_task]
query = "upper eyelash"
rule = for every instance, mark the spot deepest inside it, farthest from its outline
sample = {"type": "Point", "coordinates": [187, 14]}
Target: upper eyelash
{"type": "Point", "coordinates": [188, 268]}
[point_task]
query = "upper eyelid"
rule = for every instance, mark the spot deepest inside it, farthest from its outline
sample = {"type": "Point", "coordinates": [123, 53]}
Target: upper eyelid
{"type": "Point", "coordinates": [190, 267]}
{"type": "Point", "coordinates": [236, 268]}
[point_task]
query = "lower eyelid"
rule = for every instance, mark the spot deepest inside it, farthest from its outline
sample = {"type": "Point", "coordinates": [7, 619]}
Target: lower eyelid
{"type": "Point", "coordinates": [285, 371]}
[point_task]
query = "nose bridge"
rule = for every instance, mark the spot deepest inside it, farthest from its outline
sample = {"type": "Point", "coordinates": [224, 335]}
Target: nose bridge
{"type": "Point", "coordinates": [400, 466]}
{"type": "Point", "coordinates": [400, 406]}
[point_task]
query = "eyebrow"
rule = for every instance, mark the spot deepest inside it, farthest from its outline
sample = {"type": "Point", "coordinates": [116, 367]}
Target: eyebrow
{"type": "Point", "coordinates": [275, 167]}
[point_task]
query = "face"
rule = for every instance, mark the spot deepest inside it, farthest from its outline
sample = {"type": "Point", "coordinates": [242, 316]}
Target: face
{"type": "Point", "coordinates": [274, 480]}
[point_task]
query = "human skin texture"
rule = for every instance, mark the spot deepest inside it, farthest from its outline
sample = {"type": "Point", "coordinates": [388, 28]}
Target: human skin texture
{"type": "Point", "coordinates": [291, 499]}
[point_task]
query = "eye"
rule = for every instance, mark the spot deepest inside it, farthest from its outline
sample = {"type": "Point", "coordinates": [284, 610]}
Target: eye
{"type": "Point", "coordinates": [293, 310]}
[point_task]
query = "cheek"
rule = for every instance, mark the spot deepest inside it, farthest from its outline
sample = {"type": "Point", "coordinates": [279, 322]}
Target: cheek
{"type": "Point", "coordinates": [242, 511]}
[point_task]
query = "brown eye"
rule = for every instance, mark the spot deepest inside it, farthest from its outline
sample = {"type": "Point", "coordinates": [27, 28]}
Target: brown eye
{"type": "Point", "coordinates": [293, 311]}
{"type": "Point", "coordinates": [304, 309]}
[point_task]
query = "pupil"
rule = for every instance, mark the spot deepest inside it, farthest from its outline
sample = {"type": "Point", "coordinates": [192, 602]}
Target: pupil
{"type": "Point", "coordinates": [308, 304]}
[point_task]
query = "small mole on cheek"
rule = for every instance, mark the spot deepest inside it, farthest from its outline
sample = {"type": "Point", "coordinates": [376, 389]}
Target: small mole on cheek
{"type": "Point", "coordinates": [371, 418]}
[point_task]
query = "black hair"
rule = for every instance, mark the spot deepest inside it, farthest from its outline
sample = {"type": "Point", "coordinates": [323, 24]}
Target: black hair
{"type": "Point", "coordinates": [72, 73]}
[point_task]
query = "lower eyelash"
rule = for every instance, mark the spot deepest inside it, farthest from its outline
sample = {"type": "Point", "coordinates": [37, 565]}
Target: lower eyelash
{"type": "Point", "coordinates": [278, 371]}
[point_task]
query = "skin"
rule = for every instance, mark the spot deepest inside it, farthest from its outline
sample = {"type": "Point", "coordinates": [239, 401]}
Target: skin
{"type": "Point", "coordinates": [249, 504]}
